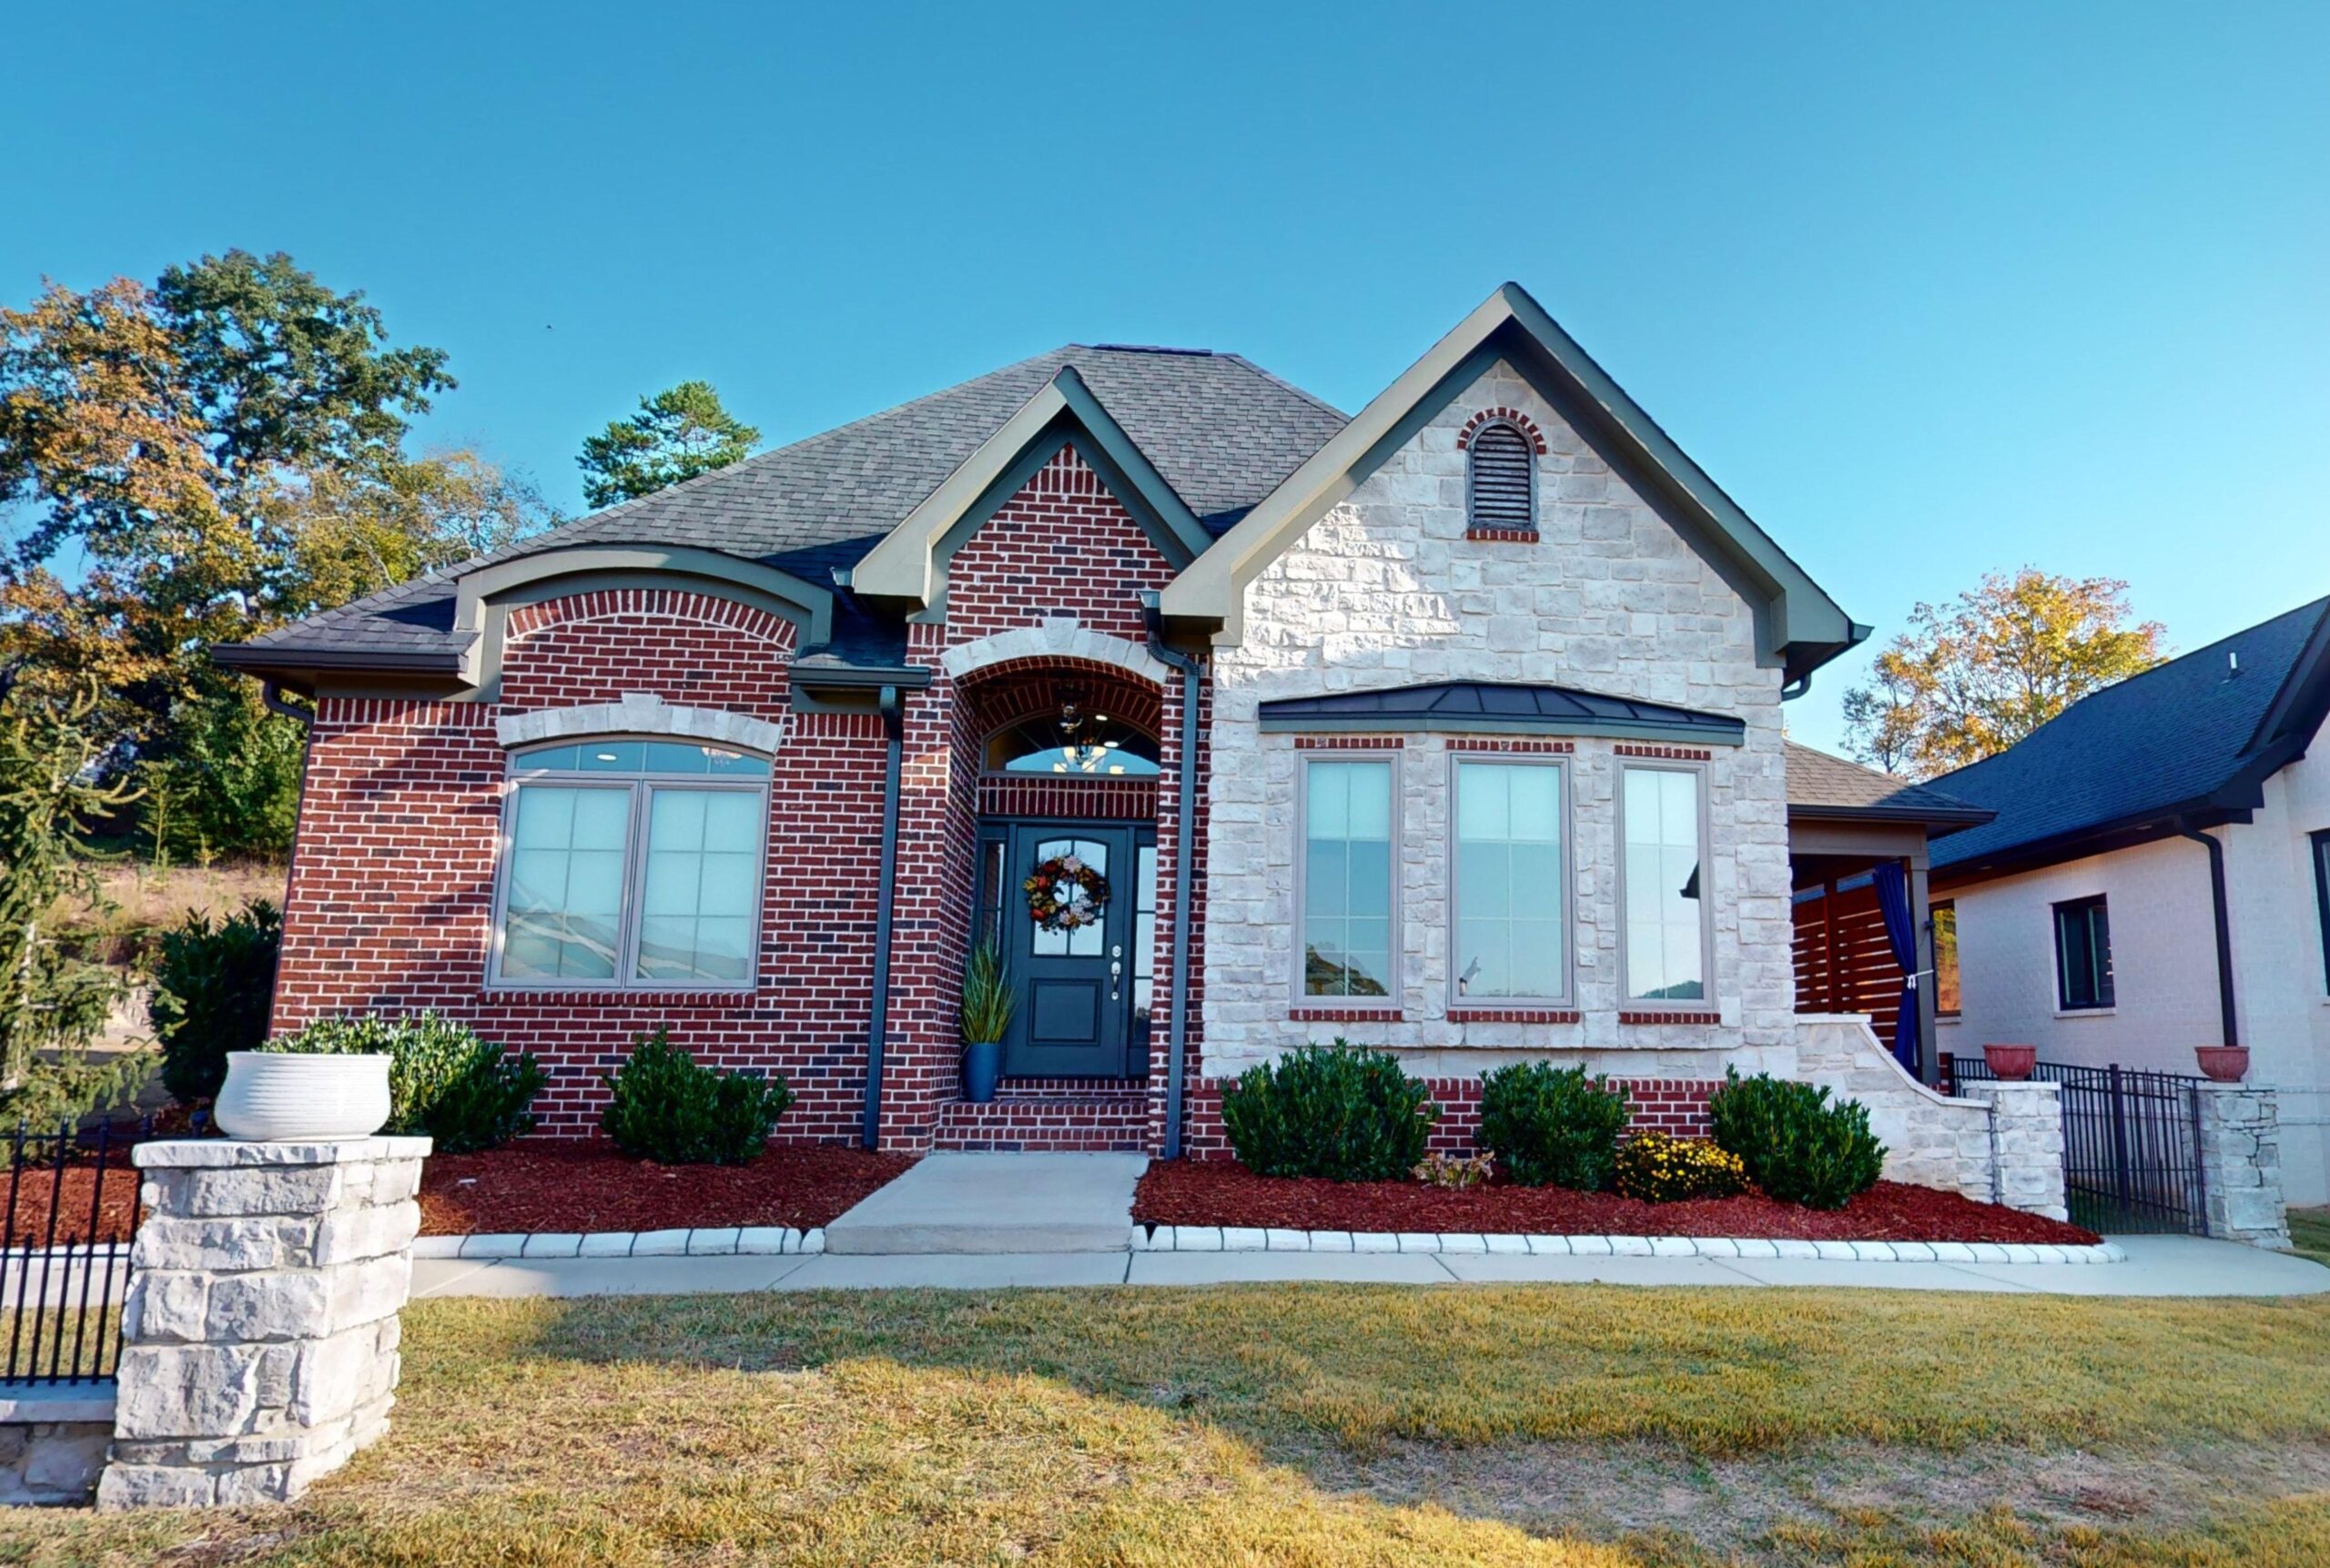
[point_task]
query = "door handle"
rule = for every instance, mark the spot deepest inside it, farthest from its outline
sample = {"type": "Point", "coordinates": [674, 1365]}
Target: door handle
{"type": "Point", "coordinates": [1114, 970]}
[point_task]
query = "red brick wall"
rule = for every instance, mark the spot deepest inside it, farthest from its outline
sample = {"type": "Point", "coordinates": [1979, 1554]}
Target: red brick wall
{"type": "Point", "coordinates": [1673, 1105]}
{"type": "Point", "coordinates": [391, 892]}
{"type": "Point", "coordinates": [1063, 545]}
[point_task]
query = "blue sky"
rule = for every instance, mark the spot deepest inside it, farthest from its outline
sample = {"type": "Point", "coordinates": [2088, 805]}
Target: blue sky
{"type": "Point", "coordinates": [1931, 291]}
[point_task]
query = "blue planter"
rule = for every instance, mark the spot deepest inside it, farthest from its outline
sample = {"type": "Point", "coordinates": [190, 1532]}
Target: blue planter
{"type": "Point", "coordinates": [982, 1066]}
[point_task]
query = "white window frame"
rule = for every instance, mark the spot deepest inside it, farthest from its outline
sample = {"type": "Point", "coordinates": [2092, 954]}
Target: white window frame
{"type": "Point", "coordinates": [1627, 1000]}
{"type": "Point", "coordinates": [1457, 1000]}
{"type": "Point", "coordinates": [640, 786]}
{"type": "Point", "coordinates": [1389, 757]}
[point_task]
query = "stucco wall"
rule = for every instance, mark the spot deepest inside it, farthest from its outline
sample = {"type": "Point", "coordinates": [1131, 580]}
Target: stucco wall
{"type": "Point", "coordinates": [1386, 591]}
{"type": "Point", "coordinates": [2163, 961]}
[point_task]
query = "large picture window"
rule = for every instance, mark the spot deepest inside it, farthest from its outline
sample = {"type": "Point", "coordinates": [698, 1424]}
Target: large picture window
{"type": "Point", "coordinates": [631, 862]}
{"type": "Point", "coordinates": [1509, 882]}
{"type": "Point", "coordinates": [1663, 884]}
{"type": "Point", "coordinates": [1346, 879]}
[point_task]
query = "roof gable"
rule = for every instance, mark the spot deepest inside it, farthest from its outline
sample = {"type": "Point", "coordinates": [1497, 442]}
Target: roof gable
{"type": "Point", "coordinates": [1799, 626]}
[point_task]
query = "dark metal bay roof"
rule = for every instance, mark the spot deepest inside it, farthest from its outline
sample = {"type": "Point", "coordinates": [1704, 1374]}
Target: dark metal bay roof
{"type": "Point", "coordinates": [1821, 785]}
{"type": "Point", "coordinates": [1221, 432]}
{"type": "Point", "coordinates": [2190, 738]}
{"type": "Point", "coordinates": [1500, 707]}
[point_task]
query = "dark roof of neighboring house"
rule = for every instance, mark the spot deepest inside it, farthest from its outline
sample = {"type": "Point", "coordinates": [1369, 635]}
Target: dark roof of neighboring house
{"type": "Point", "coordinates": [1819, 785]}
{"type": "Point", "coordinates": [1498, 706]}
{"type": "Point", "coordinates": [2189, 739]}
{"type": "Point", "coordinates": [1219, 430]}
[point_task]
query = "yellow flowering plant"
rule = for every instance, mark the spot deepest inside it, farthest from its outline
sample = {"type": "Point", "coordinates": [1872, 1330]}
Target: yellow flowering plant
{"type": "Point", "coordinates": [1657, 1168]}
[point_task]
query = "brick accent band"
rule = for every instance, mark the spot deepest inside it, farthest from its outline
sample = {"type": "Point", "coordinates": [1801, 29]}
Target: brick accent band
{"type": "Point", "coordinates": [1667, 753]}
{"type": "Point", "coordinates": [1670, 1017]}
{"type": "Point", "coordinates": [1468, 1015]}
{"type": "Point", "coordinates": [1349, 743]}
{"type": "Point", "coordinates": [1344, 1015]}
{"type": "Point", "coordinates": [1524, 748]}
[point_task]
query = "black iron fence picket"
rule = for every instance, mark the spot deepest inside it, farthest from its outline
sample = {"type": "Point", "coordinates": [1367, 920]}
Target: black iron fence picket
{"type": "Point", "coordinates": [65, 1232]}
{"type": "Point", "coordinates": [2132, 1144]}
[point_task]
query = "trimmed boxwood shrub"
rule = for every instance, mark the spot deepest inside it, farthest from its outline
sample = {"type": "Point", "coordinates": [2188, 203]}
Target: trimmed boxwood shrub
{"type": "Point", "coordinates": [443, 1080]}
{"type": "Point", "coordinates": [213, 985]}
{"type": "Point", "coordinates": [1657, 1168]}
{"type": "Point", "coordinates": [1336, 1111]}
{"type": "Point", "coordinates": [664, 1107]}
{"type": "Point", "coordinates": [1552, 1126]}
{"type": "Point", "coordinates": [1797, 1145]}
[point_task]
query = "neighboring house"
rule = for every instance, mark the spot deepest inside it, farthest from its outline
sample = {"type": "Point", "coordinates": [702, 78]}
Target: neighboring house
{"type": "Point", "coordinates": [1486, 690]}
{"type": "Point", "coordinates": [2157, 878]}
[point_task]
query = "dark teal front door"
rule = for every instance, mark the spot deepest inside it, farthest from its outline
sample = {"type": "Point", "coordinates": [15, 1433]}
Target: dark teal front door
{"type": "Point", "coordinates": [1077, 1015]}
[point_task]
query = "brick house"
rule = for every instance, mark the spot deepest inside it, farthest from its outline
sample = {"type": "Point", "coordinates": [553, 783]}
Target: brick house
{"type": "Point", "coordinates": [1453, 726]}
{"type": "Point", "coordinates": [2156, 876]}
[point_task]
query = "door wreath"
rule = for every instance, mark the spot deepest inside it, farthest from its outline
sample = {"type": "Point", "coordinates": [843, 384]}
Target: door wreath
{"type": "Point", "coordinates": [1065, 893]}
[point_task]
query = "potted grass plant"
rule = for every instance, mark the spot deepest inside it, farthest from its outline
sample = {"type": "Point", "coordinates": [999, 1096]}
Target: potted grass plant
{"type": "Point", "coordinates": [987, 1003]}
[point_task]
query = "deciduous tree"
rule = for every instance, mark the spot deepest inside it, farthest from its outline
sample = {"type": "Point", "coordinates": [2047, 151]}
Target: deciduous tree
{"type": "Point", "coordinates": [1973, 676]}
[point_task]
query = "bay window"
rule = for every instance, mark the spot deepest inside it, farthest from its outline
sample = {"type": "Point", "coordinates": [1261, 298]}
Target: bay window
{"type": "Point", "coordinates": [631, 864]}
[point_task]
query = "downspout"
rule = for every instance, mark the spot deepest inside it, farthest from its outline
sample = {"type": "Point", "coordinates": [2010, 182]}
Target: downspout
{"type": "Point", "coordinates": [878, 1024]}
{"type": "Point", "coordinates": [270, 693]}
{"type": "Point", "coordinates": [1184, 872]}
{"type": "Point", "coordinates": [270, 696]}
{"type": "Point", "coordinates": [2225, 928]}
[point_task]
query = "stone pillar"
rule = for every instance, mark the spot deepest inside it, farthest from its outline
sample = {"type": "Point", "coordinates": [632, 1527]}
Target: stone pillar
{"type": "Point", "coordinates": [259, 1334]}
{"type": "Point", "coordinates": [2026, 1144]}
{"type": "Point", "coordinates": [2241, 1165]}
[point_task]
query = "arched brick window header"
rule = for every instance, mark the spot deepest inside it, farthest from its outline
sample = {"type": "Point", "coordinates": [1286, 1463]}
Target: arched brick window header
{"type": "Point", "coordinates": [1514, 416]}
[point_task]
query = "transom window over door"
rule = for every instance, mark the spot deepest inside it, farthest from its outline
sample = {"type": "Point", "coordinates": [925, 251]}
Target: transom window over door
{"type": "Point", "coordinates": [1510, 892]}
{"type": "Point", "coordinates": [1663, 884]}
{"type": "Point", "coordinates": [1346, 879]}
{"type": "Point", "coordinates": [631, 863]}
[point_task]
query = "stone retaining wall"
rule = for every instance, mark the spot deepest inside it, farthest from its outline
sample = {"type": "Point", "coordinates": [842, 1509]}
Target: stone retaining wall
{"type": "Point", "coordinates": [53, 1443]}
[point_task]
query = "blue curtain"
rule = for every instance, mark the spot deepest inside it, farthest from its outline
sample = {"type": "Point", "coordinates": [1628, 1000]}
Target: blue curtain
{"type": "Point", "coordinates": [1900, 934]}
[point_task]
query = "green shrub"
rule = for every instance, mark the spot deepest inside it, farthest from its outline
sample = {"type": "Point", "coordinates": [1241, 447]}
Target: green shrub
{"type": "Point", "coordinates": [1552, 1126]}
{"type": "Point", "coordinates": [1339, 1112]}
{"type": "Point", "coordinates": [212, 988]}
{"type": "Point", "coordinates": [988, 997]}
{"type": "Point", "coordinates": [1657, 1168]}
{"type": "Point", "coordinates": [1795, 1145]}
{"type": "Point", "coordinates": [443, 1080]}
{"type": "Point", "coordinates": [666, 1108]}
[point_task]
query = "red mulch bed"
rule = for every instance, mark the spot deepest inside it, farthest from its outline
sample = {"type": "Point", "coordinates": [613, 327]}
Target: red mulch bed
{"type": "Point", "coordinates": [27, 1226]}
{"type": "Point", "coordinates": [1223, 1192]}
{"type": "Point", "coordinates": [561, 1185]}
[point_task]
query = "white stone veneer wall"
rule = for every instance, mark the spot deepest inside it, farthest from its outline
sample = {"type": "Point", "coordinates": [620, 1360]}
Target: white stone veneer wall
{"type": "Point", "coordinates": [1385, 591]}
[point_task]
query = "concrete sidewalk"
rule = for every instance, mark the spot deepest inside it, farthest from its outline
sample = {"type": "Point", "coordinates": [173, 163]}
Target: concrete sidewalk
{"type": "Point", "coordinates": [2156, 1266]}
{"type": "Point", "coordinates": [990, 1203]}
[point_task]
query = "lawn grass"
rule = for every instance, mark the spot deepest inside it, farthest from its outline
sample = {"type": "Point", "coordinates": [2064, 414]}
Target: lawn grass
{"type": "Point", "coordinates": [2310, 1233]}
{"type": "Point", "coordinates": [1199, 1427]}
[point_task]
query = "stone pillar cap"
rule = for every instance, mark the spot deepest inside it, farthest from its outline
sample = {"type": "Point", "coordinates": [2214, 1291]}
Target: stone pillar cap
{"type": "Point", "coordinates": [218, 1153]}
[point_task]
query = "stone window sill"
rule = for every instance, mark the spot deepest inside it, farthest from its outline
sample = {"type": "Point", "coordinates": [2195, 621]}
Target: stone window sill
{"type": "Point", "coordinates": [2086, 1012]}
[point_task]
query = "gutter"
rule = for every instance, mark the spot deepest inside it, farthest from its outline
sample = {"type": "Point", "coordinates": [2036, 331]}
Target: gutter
{"type": "Point", "coordinates": [1185, 870]}
{"type": "Point", "coordinates": [270, 693]}
{"type": "Point", "coordinates": [879, 1021]}
{"type": "Point", "coordinates": [2225, 1007]}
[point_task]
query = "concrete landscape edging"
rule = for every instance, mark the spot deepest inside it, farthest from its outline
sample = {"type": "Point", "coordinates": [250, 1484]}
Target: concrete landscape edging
{"type": "Point", "coordinates": [772, 1241]}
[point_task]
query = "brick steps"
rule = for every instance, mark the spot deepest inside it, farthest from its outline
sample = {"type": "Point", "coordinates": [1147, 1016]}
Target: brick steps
{"type": "Point", "coordinates": [1085, 1124]}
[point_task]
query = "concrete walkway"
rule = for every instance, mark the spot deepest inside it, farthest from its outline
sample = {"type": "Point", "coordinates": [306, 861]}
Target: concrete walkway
{"type": "Point", "coordinates": [997, 1203]}
{"type": "Point", "coordinates": [2156, 1266]}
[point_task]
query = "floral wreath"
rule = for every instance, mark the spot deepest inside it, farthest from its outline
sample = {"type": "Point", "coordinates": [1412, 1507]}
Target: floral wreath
{"type": "Point", "coordinates": [1065, 894]}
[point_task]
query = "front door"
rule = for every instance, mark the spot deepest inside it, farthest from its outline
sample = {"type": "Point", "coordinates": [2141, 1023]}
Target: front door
{"type": "Point", "coordinates": [1076, 1013]}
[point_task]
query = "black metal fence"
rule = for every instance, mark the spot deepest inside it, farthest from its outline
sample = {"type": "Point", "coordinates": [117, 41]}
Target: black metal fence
{"type": "Point", "coordinates": [71, 1215]}
{"type": "Point", "coordinates": [2131, 1145]}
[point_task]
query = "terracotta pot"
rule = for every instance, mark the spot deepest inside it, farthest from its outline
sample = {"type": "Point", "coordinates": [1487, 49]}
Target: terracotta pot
{"type": "Point", "coordinates": [2227, 1064]}
{"type": "Point", "coordinates": [2012, 1062]}
{"type": "Point", "coordinates": [291, 1096]}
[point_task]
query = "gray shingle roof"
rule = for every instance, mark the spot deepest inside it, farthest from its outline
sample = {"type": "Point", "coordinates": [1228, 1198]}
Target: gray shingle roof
{"type": "Point", "coordinates": [1222, 430]}
{"type": "Point", "coordinates": [2167, 739]}
{"type": "Point", "coordinates": [1818, 783]}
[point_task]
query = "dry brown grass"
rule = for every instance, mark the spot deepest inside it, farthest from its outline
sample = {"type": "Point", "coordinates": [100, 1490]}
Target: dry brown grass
{"type": "Point", "coordinates": [1194, 1428]}
{"type": "Point", "coordinates": [148, 898]}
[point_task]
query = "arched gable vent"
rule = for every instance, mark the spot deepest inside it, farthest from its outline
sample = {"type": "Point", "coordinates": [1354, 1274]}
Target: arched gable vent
{"type": "Point", "coordinates": [1501, 481]}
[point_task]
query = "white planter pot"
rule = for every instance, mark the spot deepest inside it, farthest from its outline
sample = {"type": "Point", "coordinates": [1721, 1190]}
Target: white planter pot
{"type": "Point", "coordinates": [272, 1097]}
